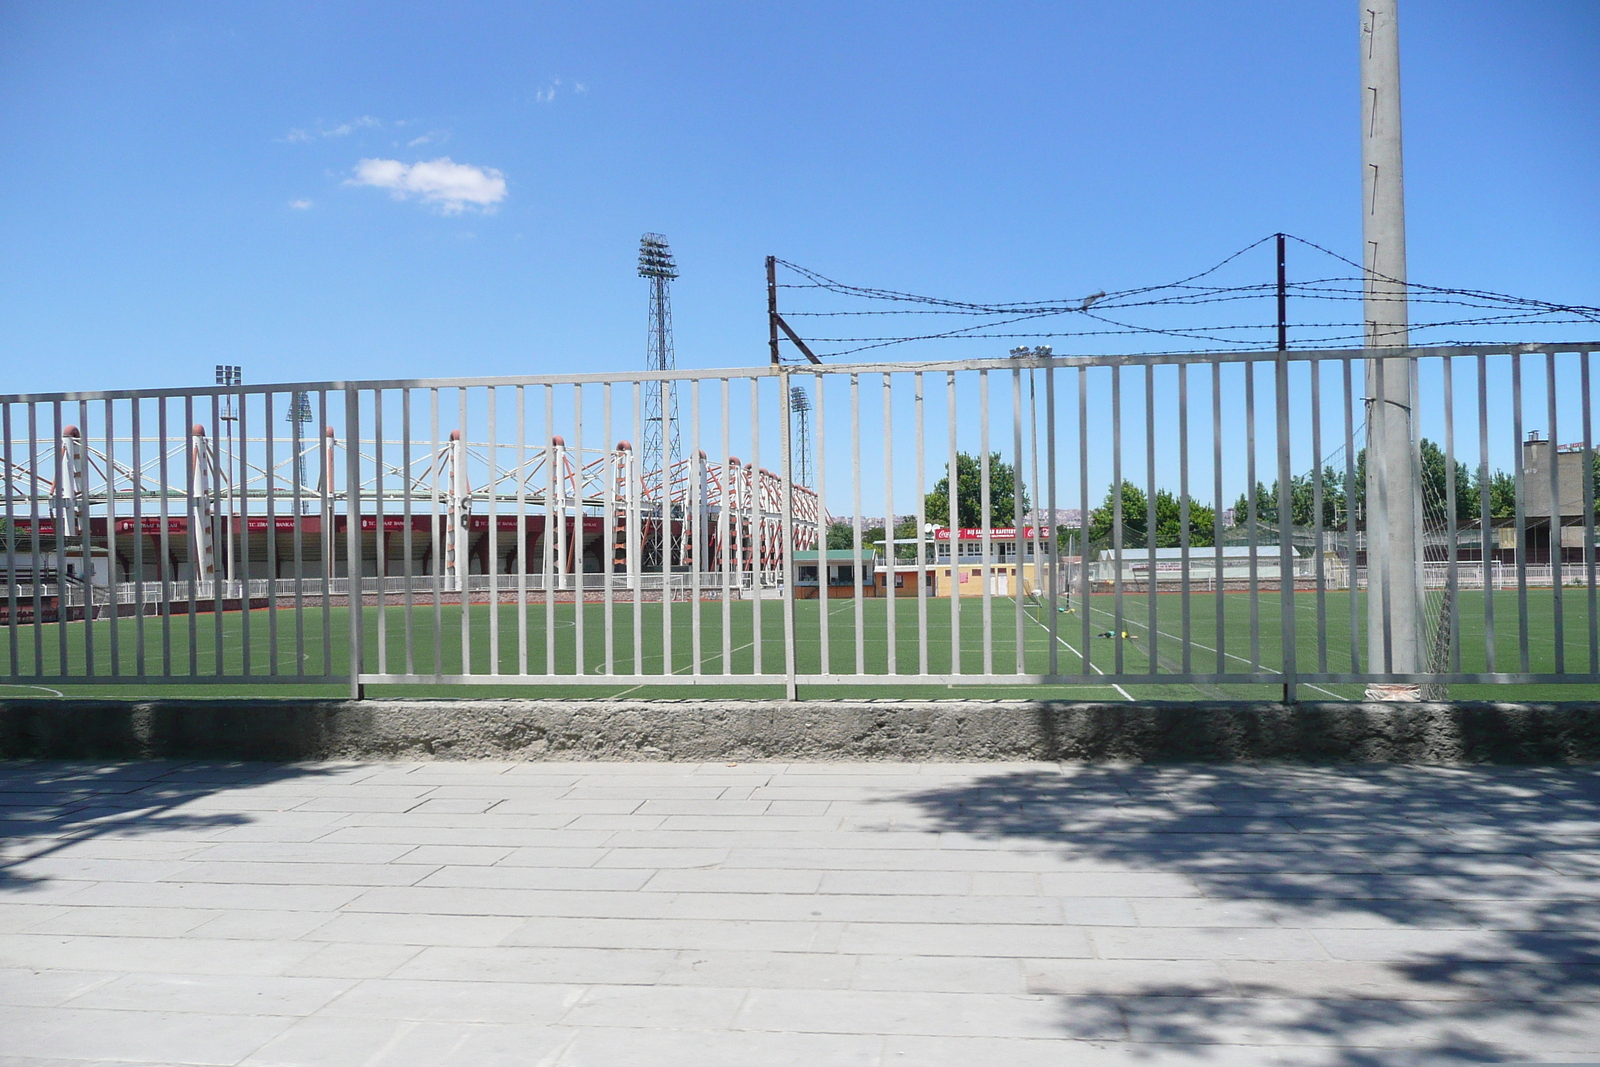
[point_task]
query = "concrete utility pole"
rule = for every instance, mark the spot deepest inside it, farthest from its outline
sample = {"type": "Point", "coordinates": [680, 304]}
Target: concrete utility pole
{"type": "Point", "coordinates": [1394, 592]}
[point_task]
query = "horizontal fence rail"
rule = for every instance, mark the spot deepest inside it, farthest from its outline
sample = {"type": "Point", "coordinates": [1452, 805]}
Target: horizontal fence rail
{"type": "Point", "coordinates": [1190, 522]}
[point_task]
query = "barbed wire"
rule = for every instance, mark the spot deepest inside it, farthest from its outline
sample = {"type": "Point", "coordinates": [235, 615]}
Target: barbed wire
{"type": "Point", "coordinates": [1500, 310]}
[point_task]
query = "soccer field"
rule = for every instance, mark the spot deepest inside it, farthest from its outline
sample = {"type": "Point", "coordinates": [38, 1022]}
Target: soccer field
{"type": "Point", "coordinates": [488, 639]}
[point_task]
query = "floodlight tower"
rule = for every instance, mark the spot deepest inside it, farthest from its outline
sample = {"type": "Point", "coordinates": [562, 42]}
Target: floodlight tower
{"type": "Point", "coordinates": [660, 398]}
{"type": "Point", "coordinates": [230, 375]}
{"type": "Point", "coordinates": [298, 415]}
{"type": "Point", "coordinates": [800, 404]}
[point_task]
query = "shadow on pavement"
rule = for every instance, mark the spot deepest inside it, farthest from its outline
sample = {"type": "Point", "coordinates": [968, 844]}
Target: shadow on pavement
{"type": "Point", "coordinates": [1450, 912]}
{"type": "Point", "coordinates": [47, 807]}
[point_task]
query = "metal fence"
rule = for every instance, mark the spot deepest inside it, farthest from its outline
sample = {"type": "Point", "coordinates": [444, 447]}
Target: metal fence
{"type": "Point", "coordinates": [504, 531]}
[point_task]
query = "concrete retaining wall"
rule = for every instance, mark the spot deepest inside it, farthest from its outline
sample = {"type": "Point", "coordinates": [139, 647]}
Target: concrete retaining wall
{"type": "Point", "coordinates": [867, 730]}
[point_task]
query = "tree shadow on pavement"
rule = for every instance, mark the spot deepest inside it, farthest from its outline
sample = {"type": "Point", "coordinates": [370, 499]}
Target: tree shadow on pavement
{"type": "Point", "coordinates": [47, 807]}
{"type": "Point", "coordinates": [1343, 915]}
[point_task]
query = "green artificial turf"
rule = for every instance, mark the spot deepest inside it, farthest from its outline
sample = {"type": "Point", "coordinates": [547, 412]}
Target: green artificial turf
{"type": "Point", "coordinates": [546, 640]}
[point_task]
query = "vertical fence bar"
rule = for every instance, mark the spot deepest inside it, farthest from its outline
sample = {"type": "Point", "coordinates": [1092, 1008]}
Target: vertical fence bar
{"type": "Point", "coordinates": [953, 484]}
{"type": "Point", "coordinates": [1286, 609]}
{"type": "Point", "coordinates": [297, 525]}
{"type": "Point", "coordinates": [325, 476]}
{"type": "Point", "coordinates": [1558, 618]}
{"type": "Point", "coordinates": [438, 534]}
{"type": "Point", "coordinates": [858, 612]}
{"type": "Point", "coordinates": [194, 516]}
{"type": "Point", "coordinates": [1589, 516]}
{"type": "Point", "coordinates": [1152, 626]}
{"type": "Point", "coordinates": [1055, 530]}
{"type": "Point", "coordinates": [1118, 624]}
{"type": "Point", "coordinates": [693, 525]}
{"type": "Point", "coordinates": [985, 524]}
{"type": "Point", "coordinates": [1035, 545]}
{"type": "Point", "coordinates": [1220, 575]}
{"type": "Point", "coordinates": [1184, 535]}
{"type": "Point", "coordinates": [1083, 518]}
{"type": "Point", "coordinates": [135, 427]}
{"type": "Point", "coordinates": [113, 597]}
{"type": "Point", "coordinates": [1318, 491]}
{"type": "Point", "coordinates": [1018, 541]}
{"type": "Point", "coordinates": [1485, 514]}
{"type": "Point", "coordinates": [352, 532]}
{"type": "Point", "coordinates": [636, 532]}
{"type": "Point", "coordinates": [608, 520]}
{"type": "Point", "coordinates": [786, 444]}
{"type": "Point", "coordinates": [244, 530]}
{"type": "Point", "coordinates": [1252, 513]}
{"type": "Point", "coordinates": [36, 520]}
{"type": "Point", "coordinates": [522, 526]}
{"type": "Point", "coordinates": [240, 463]}
{"type": "Point", "coordinates": [1376, 431]}
{"type": "Point", "coordinates": [1522, 511]}
{"type": "Point", "coordinates": [168, 584]}
{"type": "Point", "coordinates": [492, 488]}
{"type": "Point", "coordinates": [891, 557]}
{"type": "Point", "coordinates": [12, 643]}
{"type": "Point", "coordinates": [1350, 517]}
{"type": "Point", "coordinates": [268, 435]}
{"type": "Point", "coordinates": [380, 536]}
{"type": "Point", "coordinates": [80, 509]}
{"type": "Point", "coordinates": [407, 538]}
{"type": "Point", "coordinates": [728, 529]}
{"type": "Point", "coordinates": [758, 526]}
{"type": "Point", "coordinates": [922, 522]}
{"type": "Point", "coordinates": [579, 535]}
{"type": "Point", "coordinates": [218, 493]}
{"type": "Point", "coordinates": [552, 484]}
{"type": "Point", "coordinates": [1452, 573]}
{"type": "Point", "coordinates": [461, 482]}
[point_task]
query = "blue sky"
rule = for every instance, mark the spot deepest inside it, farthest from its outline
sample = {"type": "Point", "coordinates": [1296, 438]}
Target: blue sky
{"type": "Point", "coordinates": [157, 152]}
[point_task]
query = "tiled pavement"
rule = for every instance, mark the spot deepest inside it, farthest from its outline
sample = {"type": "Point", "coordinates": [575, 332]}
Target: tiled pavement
{"type": "Point", "coordinates": [774, 914]}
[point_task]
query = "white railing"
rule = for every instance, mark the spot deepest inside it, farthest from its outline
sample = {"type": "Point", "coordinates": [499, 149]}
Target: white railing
{"type": "Point", "coordinates": [430, 482]}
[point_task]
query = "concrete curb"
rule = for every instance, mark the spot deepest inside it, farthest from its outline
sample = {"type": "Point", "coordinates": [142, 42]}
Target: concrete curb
{"type": "Point", "coordinates": [853, 730]}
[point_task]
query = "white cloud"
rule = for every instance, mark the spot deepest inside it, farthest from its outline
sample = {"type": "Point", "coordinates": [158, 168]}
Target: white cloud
{"type": "Point", "coordinates": [546, 93]}
{"type": "Point", "coordinates": [300, 205]}
{"type": "Point", "coordinates": [450, 185]}
{"type": "Point", "coordinates": [344, 129]}
{"type": "Point", "coordinates": [428, 138]}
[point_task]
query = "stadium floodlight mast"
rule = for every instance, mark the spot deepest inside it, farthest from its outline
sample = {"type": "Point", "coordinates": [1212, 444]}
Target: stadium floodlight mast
{"type": "Point", "coordinates": [1394, 563]}
{"type": "Point", "coordinates": [232, 376]}
{"type": "Point", "coordinates": [800, 404]}
{"type": "Point", "coordinates": [660, 397]}
{"type": "Point", "coordinates": [298, 415]}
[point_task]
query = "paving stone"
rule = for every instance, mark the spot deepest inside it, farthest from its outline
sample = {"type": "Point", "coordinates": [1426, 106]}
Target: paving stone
{"type": "Point", "coordinates": [150, 1036]}
{"type": "Point", "coordinates": [462, 913]}
{"type": "Point", "coordinates": [215, 994]}
{"type": "Point", "coordinates": [456, 1001]}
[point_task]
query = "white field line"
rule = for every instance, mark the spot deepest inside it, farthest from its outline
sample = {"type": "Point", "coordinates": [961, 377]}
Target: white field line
{"type": "Point", "coordinates": [1075, 652]}
{"type": "Point", "coordinates": [46, 688]}
{"type": "Point", "coordinates": [1208, 648]}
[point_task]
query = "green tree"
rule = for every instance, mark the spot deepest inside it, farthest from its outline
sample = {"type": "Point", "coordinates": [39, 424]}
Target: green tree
{"type": "Point", "coordinates": [1436, 482]}
{"type": "Point", "coordinates": [1135, 520]}
{"type": "Point", "coordinates": [1169, 522]}
{"type": "Point", "coordinates": [841, 535]}
{"type": "Point", "coordinates": [1003, 485]}
{"type": "Point", "coordinates": [1102, 520]}
{"type": "Point", "coordinates": [1502, 495]}
{"type": "Point", "coordinates": [1266, 505]}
